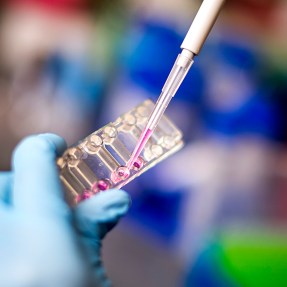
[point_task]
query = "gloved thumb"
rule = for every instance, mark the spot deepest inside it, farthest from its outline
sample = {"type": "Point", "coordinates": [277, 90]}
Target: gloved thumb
{"type": "Point", "coordinates": [94, 218]}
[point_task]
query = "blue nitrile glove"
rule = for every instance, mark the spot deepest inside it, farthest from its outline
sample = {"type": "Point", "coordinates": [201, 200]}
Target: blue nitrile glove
{"type": "Point", "coordinates": [43, 243]}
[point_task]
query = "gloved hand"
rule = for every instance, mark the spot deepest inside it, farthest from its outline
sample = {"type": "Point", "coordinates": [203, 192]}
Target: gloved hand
{"type": "Point", "coordinates": [43, 243]}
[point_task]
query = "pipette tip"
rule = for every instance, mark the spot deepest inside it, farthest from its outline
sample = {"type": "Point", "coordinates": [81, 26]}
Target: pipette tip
{"type": "Point", "coordinates": [144, 137]}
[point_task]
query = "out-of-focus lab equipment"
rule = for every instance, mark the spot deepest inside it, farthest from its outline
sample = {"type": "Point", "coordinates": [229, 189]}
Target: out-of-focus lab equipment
{"type": "Point", "coordinates": [191, 47]}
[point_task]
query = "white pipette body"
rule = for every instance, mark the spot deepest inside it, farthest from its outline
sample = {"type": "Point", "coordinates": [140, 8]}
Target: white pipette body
{"type": "Point", "coordinates": [202, 25]}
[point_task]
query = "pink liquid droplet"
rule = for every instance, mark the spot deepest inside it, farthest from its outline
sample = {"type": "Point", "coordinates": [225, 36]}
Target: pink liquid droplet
{"type": "Point", "coordinates": [103, 185]}
{"type": "Point", "coordinates": [138, 163]}
{"type": "Point", "coordinates": [86, 194]}
{"type": "Point", "coordinates": [123, 172]}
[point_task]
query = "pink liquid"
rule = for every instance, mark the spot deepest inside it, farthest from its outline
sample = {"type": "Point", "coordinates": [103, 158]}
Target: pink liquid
{"type": "Point", "coordinates": [145, 135]}
{"type": "Point", "coordinates": [123, 172]}
{"type": "Point", "coordinates": [138, 163]}
{"type": "Point", "coordinates": [86, 194]}
{"type": "Point", "coordinates": [103, 185]}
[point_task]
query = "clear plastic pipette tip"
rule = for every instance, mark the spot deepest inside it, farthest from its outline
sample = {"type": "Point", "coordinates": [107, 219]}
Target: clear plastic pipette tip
{"type": "Point", "coordinates": [178, 72]}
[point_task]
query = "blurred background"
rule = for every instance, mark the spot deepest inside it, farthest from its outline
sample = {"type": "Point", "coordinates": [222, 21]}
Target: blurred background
{"type": "Point", "coordinates": [215, 213]}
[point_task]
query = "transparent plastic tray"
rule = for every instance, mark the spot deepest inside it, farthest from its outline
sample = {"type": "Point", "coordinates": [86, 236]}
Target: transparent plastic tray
{"type": "Point", "coordinates": [98, 162]}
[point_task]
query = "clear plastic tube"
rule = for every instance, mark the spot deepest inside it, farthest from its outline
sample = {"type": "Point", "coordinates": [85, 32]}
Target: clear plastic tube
{"type": "Point", "coordinates": [178, 72]}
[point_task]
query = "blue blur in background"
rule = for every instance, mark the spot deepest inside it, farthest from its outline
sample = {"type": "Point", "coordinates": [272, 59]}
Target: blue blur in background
{"type": "Point", "coordinates": [70, 68]}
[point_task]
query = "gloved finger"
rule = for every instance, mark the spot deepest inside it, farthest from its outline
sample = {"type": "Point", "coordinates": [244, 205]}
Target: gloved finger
{"type": "Point", "coordinates": [93, 219]}
{"type": "Point", "coordinates": [5, 187]}
{"type": "Point", "coordinates": [37, 186]}
{"type": "Point", "coordinates": [97, 216]}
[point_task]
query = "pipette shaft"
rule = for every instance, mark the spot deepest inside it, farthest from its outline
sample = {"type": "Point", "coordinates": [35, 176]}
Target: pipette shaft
{"type": "Point", "coordinates": [175, 78]}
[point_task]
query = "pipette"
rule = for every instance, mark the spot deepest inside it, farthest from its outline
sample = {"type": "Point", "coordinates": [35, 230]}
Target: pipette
{"type": "Point", "coordinates": [191, 46]}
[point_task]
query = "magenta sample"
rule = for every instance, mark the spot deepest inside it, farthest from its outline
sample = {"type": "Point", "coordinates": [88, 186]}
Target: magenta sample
{"type": "Point", "coordinates": [103, 184]}
{"type": "Point", "coordinates": [86, 194]}
{"type": "Point", "coordinates": [123, 172]}
{"type": "Point", "coordinates": [138, 163]}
